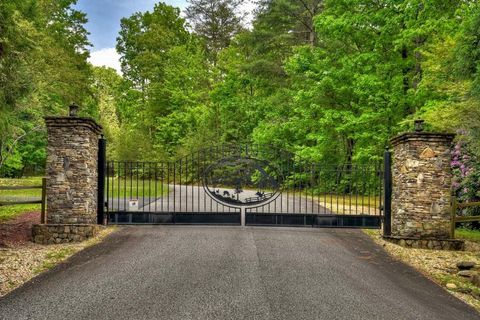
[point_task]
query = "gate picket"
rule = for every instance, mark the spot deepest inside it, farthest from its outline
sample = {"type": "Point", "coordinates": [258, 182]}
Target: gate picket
{"type": "Point", "coordinates": [270, 187]}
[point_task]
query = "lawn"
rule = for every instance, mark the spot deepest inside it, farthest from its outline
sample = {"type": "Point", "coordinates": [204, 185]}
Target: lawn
{"type": "Point", "coordinates": [467, 234]}
{"type": "Point", "coordinates": [129, 189]}
{"type": "Point", "coordinates": [11, 211]}
{"type": "Point", "coordinates": [117, 188]}
{"type": "Point", "coordinates": [34, 181]}
{"type": "Point", "coordinates": [350, 204]}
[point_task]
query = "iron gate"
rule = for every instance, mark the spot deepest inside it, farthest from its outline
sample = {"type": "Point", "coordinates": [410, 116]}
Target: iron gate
{"type": "Point", "coordinates": [252, 185]}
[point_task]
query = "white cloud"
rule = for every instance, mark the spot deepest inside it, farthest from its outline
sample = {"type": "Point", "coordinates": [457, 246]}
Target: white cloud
{"type": "Point", "coordinates": [107, 57]}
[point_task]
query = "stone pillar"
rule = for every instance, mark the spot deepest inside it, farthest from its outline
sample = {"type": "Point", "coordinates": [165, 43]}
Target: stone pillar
{"type": "Point", "coordinates": [71, 173]}
{"type": "Point", "coordinates": [421, 190]}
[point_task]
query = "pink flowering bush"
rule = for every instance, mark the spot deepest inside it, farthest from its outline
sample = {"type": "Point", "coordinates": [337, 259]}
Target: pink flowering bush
{"type": "Point", "coordinates": [466, 172]}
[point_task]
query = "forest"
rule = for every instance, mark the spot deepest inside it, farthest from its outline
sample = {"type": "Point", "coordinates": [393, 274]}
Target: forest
{"type": "Point", "coordinates": [328, 80]}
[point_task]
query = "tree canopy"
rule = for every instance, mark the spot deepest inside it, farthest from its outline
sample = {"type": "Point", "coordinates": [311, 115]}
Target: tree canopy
{"type": "Point", "coordinates": [330, 80]}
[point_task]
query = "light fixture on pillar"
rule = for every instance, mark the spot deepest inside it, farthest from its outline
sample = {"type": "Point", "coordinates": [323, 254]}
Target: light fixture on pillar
{"type": "Point", "coordinates": [73, 110]}
{"type": "Point", "coordinates": [419, 125]}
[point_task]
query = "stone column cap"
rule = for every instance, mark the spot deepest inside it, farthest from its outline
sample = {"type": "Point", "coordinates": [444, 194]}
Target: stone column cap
{"type": "Point", "coordinates": [56, 121]}
{"type": "Point", "coordinates": [422, 136]}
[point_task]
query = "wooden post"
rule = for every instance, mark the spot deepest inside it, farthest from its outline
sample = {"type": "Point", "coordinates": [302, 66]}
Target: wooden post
{"type": "Point", "coordinates": [454, 216]}
{"type": "Point", "coordinates": [43, 219]}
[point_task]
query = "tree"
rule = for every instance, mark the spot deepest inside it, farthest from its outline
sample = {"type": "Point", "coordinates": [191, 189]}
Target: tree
{"type": "Point", "coordinates": [361, 82]}
{"type": "Point", "coordinates": [293, 17]}
{"type": "Point", "coordinates": [215, 21]}
{"type": "Point", "coordinates": [167, 65]}
{"type": "Point", "coordinates": [144, 40]}
{"type": "Point", "coordinates": [43, 68]}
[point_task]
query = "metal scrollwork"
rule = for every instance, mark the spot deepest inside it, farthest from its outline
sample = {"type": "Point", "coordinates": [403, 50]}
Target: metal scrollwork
{"type": "Point", "coordinates": [242, 181]}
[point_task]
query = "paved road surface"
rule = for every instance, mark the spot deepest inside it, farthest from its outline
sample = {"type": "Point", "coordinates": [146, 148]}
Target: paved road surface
{"type": "Point", "coordinates": [179, 272]}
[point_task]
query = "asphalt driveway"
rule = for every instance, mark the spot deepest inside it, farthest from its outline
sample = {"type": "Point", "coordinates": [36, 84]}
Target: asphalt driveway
{"type": "Point", "coordinates": [183, 272]}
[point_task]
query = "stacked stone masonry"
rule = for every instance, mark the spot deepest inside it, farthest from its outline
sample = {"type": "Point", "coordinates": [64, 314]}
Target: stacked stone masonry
{"type": "Point", "coordinates": [60, 233]}
{"type": "Point", "coordinates": [434, 244]}
{"type": "Point", "coordinates": [72, 170]}
{"type": "Point", "coordinates": [71, 181]}
{"type": "Point", "coordinates": [421, 186]}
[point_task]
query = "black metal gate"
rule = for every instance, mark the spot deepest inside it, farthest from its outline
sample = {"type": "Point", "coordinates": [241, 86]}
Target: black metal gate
{"type": "Point", "coordinates": [251, 185]}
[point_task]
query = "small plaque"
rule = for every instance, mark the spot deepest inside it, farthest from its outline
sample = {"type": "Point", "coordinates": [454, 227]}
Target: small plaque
{"type": "Point", "coordinates": [133, 205]}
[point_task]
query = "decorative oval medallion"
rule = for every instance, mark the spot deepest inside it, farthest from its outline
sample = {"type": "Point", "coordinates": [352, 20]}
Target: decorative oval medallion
{"type": "Point", "coordinates": [242, 181]}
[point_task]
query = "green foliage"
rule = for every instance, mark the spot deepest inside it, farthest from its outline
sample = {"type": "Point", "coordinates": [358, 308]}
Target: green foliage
{"type": "Point", "coordinates": [43, 68]}
{"type": "Point", "coordinates": [167, 67]}
{"type": "Point", "coordinates": [144, 40]}
{"type": "Point", "coordinates": [327, 80]}
{"type": "Point", "coordinates": [467, 234]}
{"type": "Point", "coordinates": [216, 22]}
{"type": "Point", "coordinates": [12, 211]}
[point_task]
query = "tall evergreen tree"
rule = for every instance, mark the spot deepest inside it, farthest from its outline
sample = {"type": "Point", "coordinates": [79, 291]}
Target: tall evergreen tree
{"type": "Point", "coordinates": [215, 21]}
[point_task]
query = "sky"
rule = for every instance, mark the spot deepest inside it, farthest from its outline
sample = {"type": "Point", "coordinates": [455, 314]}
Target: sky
{"type": "Point", "coordinates": [104, 24]}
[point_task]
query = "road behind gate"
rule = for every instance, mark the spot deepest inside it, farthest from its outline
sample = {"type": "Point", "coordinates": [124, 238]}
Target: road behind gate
{"type": "Point", "coordinates": [180, 272]}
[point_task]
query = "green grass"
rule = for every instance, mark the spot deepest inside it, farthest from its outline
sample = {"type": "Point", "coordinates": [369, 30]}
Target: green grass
{"type": "Point", "coordinates": [460, 282]}
{"type": "Point", "coordinates": [35, 181]}
{"type": "Point", "coordinates": [467, 234]}
{"type": "Point", "coordinates": [32, 181]}
{"type": "Point", "coordinates": [123, 189]}
{"type": "Point", "coordinates": [53, 258]}
{"type": "Point", "coordinates": [348, 204]}
{"type": "Point", "coordinates": [12, 211]}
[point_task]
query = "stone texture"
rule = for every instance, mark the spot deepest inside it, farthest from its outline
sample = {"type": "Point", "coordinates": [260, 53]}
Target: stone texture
{"type": "Point", "coordinates": [433, 243]}
{"type": "Point", "coordinates": [465, 265]}
{"type": "Point", "coordinates": [476, 280]}
{"type": "Point", "coordinates": [71, 170]}
{"type": "Point", "coordinates": [421, 186]}
{"type": "Point", "coordinates": [451, 286]}
{"type": "Point", "coordinates": [61, 233]}
{"type": "Point", "coordinates": [467, 273]}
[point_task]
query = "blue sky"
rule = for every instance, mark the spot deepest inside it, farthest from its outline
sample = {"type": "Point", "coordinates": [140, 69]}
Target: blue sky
{"type": "Point", "coordinates": [104, 17]}
{"type": "Point", "coordinates": [104, 24]}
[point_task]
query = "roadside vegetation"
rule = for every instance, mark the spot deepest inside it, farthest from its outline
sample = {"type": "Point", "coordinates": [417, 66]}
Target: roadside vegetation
{"type": "Point", "coordinates": [440, 265]}
{"type": "Point", "coordinates": [328, 80]}
{"type": "Point", "coordinates": [467, 234]}
{"type": "Point", "coordinates": [19, 264]}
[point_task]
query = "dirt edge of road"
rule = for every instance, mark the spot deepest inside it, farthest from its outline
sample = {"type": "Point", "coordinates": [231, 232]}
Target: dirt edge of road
{"type": "Point", "coordinates": [24, 260]}
{"type": "Point", "coordinates": [439, 266]}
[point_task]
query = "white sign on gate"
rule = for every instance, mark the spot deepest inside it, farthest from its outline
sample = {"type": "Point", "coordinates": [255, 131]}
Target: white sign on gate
{"type": "Point", "coordinates": [133, 205]}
